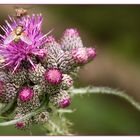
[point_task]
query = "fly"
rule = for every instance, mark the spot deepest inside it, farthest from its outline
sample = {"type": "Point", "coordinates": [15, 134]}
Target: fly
{"type": "Point", "coordinates": [17, 35]}
{"type": "Point", "coordinates": [20, 12]}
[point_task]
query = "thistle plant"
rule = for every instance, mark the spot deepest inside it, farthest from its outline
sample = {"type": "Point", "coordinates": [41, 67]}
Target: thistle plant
{"type": "Point", "coordinates": [37, 73]}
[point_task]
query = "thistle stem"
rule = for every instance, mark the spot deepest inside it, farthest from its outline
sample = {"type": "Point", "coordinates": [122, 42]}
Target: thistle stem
{"type": "Point", "coordinates": [27, 116]}
{"type": "Point", "coordinates": [7, 107]}
{"type": "Point", "coordinates": [106, 90]}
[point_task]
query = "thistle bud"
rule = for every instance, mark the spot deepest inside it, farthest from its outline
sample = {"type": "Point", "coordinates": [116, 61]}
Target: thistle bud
{"type": "Point", "coordinates": [80, 55]}
{"type": "Point", "coordinates": [41, 118]}
{"type": "Point", "coordinates": [67, 82]}
{"type": "Point", "coordinates": [54, 51]}
{"type": "Point", "coordinates": [4, 76]}
{"type": "Point", "coordinates": [71, 40]}
{"type": "Point", "coordinates": [26, 107]}
{"type": "Point", "coordinates": [53, 76]}
{"type": "Point", "coordinates": [26, 94]}
{"type": "Point", "coordinates": [28, 101]}
{"type": "Point", "coordinates": [18, 77]}
{"type": "Point", "coordinates": [65, 62]}
{"type": "Point", "coordinates": [50, 39]}
{"type": "Point", "coordinates": [91, 52]}
{"type": "Point", "coordinates": [20, 124]}
{"type": "Point", "coordinates": [53, 47]}
{"type": "Point", "coordinates": [36, 73]}
{"type": "Point", "coordinates": [39, 89]}
{"type": "Point", "coordinates": [61, 99]}
{"type": "Point", "coordinates": [7, 92]}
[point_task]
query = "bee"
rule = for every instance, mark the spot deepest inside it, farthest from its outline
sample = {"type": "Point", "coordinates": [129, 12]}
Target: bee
{"type": "Point", "coordinates": [17, 35]}
{"type": "Point", "coordinates": [20, 12]}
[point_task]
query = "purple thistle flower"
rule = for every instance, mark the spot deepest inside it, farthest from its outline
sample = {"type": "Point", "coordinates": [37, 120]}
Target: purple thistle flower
{"type": "Point", "coordinates": [15, 53]}
{"type": "Point", "coordinates": [65, 103]}
{"type": "Point", "coordinates": [60, 99]}
{"type": "Point", "coordinates": [53, 76]}
{"type": "Point", "coordinates": [26, 94]}
{"type": "Point", "coordinates": [37, 67]}
{"type": "Point", "coordinates": [20, 124]}
{"type": "Point", "coordinates": [71, 32]}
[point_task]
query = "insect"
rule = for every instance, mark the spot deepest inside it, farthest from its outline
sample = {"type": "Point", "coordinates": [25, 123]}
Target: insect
{"type": "Point", "coordinates": [20, 12]}
{"type": "Point", "coordinates": [17, 35]}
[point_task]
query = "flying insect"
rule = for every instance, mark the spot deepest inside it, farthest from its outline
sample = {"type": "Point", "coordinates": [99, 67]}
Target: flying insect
{"type": "Point", "coordinates": [17, 35]}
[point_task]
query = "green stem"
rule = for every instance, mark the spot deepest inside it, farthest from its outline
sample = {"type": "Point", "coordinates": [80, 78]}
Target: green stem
{"type": "Point", "coordinates": [65, 111]}
{"type": "Point", "coordinates": [27, 116]}
{"type": "Point", "coordinates": [1, 117]}
{"type": "Point", "coordinates": [106, 90]}
{"type": "Point", "coordinates": [7, 107]}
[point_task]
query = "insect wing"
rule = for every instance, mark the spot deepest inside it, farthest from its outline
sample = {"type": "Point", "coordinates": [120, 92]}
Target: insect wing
{"type": "Point", "coordinates": [10, 38]}
{"type": "Point", "coordinates": [26, 39]}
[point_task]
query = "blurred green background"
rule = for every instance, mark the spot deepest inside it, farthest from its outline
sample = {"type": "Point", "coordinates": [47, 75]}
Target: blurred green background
{"type": "Point", "coordinates": [114, 30]}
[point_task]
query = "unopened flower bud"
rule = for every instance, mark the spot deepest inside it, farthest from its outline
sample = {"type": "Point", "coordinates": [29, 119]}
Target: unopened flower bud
{"type": "Point", "coordinates": [50, 39]}
{"type": "Point", "coordinates": [53, 47]}
{"type": "Point", "coordinates": [53, 76]}
{"type": "Point", "coordinates": [80, 55]}
{"type": "Point", "coordinates": [4, 76]}
{"type": "Point", "coordinates": [71, 40]}
{"type": "Point", "coordinates": [26, 94]}
{"type": "Point", "coordinates": [7, 92]}
{"type": "Point", "coordinates": [67, 82]}
{"type": "Point", "coordinates": [19, 77]}
{"type": "Point", "coordinates": [26, 104]}
{"type": "Point", "coordinates": [36, 73]}
{"type": "Point", "coordinates": [39, 89]}
{"type": "Point", "coordinates": [66, 63]}
{"type": "Point", "coordinates": [61, 99]}
{"type": "Point", "coordinates": [91, 52]}
{"type": "Point", "coordinates": [42, 117]}
{"type": "Point", "coordinates": [71, 32]}
{"type": "Point", "coordinates": [20, 124]}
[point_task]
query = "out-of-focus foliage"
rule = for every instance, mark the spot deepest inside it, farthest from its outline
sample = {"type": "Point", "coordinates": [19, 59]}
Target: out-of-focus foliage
{"type": "Point", "coordinates": [115, 32]}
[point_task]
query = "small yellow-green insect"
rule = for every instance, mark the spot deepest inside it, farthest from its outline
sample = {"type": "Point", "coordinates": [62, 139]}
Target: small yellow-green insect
{"type": "Point", "coordinates": [17, 35]}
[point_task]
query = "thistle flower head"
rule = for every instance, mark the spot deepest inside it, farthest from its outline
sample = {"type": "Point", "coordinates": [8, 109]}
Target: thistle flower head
{"type": "Point", "coordinates": [71, 40]}
{"type": "Point", "coordinates": [80, 55]}
{"type": "Point", "coordinates": [36, 69]}
{"type": "Point", "coordinates": [26, 94]}
{"type": "Point", "coordinates": [53, 76]}
{"type": "Point", "coordinates": [42, 117]}
{"type": "Point", "coordinates": [67, 81]}
{"type": "Point", "coordinates": [50, 39]}
{"type": "Point", "coordinates": [20, 124]}
{"type": "Point", "coordinates": [60, 99]}
{"type": "Point", "coordinates": [36, 73]}
{"type": "Point", "coordinates": [65, 103]}
{"type": "Point", "coordinates": [30, 39]}
{"type": "Point", "coordinates": [8, 92]}
{"type": "Point", "coordinates": [71, 32]}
